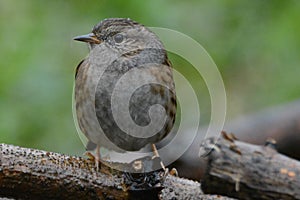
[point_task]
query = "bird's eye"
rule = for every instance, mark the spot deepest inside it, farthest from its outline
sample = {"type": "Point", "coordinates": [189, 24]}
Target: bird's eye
{"type": "Point", "coordinates": [118, 38]}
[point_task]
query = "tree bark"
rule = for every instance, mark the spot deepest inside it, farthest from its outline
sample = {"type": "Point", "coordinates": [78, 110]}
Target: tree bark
{"type": "Point", "coordinates": [36, 174]}
{"type": "Point", "coordinates": [234, 168]}
{"type": "Point", "coordinates": [281, 123]}
{"type": "Point", "coordinates": [247, 171]}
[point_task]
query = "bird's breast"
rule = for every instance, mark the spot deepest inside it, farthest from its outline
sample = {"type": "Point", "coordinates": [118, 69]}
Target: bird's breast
{"type": "Point", "coordinates": [144, 97]}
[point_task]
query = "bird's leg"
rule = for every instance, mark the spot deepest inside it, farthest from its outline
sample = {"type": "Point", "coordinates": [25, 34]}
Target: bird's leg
{"type": "Point", "coordinates": [173, 171]}
{"type": "Point", "coordinates": [155, 152]}
{"type": "Point", "coordinates": [97, 157]}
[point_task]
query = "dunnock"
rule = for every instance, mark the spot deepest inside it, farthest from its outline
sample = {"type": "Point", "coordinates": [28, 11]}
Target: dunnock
{"type": "Point", "coordinates": [122, 47]}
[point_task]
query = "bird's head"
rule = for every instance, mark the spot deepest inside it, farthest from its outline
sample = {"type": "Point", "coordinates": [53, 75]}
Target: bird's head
{"type": "Point", "coordinates": [121, 35]}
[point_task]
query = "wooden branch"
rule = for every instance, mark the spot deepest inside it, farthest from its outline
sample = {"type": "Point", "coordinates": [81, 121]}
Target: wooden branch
{"type": "Point", "coordinates": [280, 122]}
{"type": "Point", "coordinates": [35, 174]}
{"type": "Point", "coordinates": [246, 171]}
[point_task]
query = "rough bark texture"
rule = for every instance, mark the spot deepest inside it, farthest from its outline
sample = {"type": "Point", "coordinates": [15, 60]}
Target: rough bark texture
{"type": "Point", "coordinates": [246, 171]}
{"type": "Point", "coordinates": [281, 123]}
{"type": "Point", "coordinates": [35, 174]}
{"type": "Point", "coordinates": [234, 168]}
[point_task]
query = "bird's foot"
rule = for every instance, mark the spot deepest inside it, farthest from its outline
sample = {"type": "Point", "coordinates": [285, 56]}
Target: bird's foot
{"type": "Point", "coordinates": [173, 171]}
{"type": "Point", "coordinates": [94, 158]}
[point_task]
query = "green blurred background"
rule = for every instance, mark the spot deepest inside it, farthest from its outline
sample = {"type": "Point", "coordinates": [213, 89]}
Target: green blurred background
{"type": "Point", "coordinates": [255, 44]}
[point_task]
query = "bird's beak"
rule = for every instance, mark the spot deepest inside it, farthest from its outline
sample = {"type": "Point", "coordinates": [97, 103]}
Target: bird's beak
{"type": "Point", "coordinates": [91, 38]}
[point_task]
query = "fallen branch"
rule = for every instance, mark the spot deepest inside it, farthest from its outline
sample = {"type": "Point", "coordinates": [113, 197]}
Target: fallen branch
{"type": "Point", "coordinates": [35, 174]}
{"type": "Point", "coordinates": [246, 171]}
{"type": "Point", "coordinates": [281, 123]}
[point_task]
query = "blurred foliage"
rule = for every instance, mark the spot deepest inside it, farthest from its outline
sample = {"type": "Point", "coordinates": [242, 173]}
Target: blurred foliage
{"type": "Point", "coordinates": [255, 44]}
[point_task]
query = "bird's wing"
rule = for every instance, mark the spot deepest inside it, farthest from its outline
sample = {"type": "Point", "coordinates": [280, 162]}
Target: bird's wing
{"type": "Point", "coordinates": [82, 63]}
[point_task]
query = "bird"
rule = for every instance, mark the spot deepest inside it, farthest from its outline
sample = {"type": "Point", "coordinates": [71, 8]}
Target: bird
{"type": "Point", "coordinates": [118, 48]}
